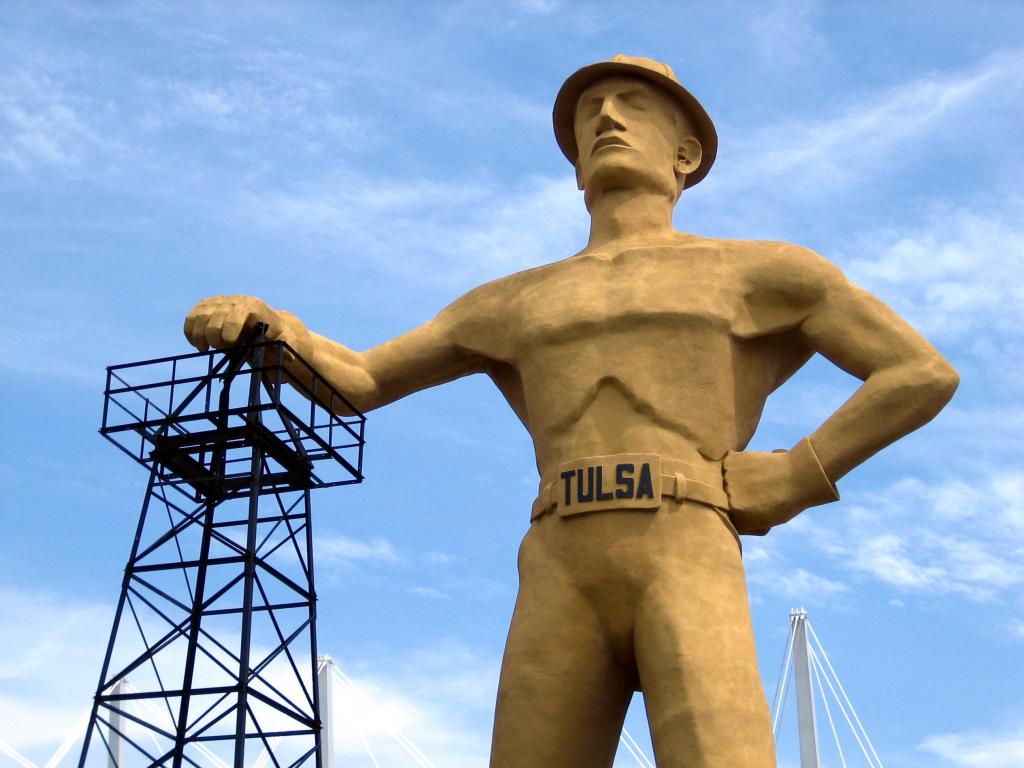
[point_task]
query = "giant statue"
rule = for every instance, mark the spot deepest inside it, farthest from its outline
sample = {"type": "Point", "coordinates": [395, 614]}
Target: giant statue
{"type": "Point", "coordinates": [640, 367]}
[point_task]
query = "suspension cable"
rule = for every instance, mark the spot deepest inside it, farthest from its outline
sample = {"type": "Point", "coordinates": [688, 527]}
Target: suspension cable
{"type": "Point", "coordinates": [856, 734]}
{"type": "Point", "coordinates": [782, 686]}
{"type": "Point", "coordinates": [400, 737]}
{"type": "Point", "coordinates": [848, 702]}
{"type": "Point", "coordinates": [369, 749]}
{"type": "Point", "coordinates": [815, 666]}
{"type": "Point", "coordinates": [634, 749]}
{"type": "Point", "coordinates": [20, 759]}
{"type": "Point", "coordinates": [632, 752]}
{"type": "Point", "coordinates": [69, 741]}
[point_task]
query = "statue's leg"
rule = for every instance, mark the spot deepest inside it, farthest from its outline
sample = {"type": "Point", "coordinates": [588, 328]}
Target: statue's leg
{"type": "Point", "coordinates": [562, 696]}
{"type": "Point", "coordinates": [695, 650]}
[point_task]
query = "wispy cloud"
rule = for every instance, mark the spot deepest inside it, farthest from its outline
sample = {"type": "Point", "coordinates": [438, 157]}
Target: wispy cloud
{"type": "Point", "coordinates": [51, 341]}
{"type": "Point", "coordinates": [955, 275]}
{"type": "Point", "coordinates": [785, 32]}
{"type": "Point", "coordinates": [52, 649]}
{"type": "Point", "coordinates": [441, 697]}
{"type": "Point", "coordinates": [1015, 629]}
{"type": "Point", "coordinates": [769, 571]}
{"type": "Point", "coordinates": [976, 749]}
{"type": "Point", "coordinates": [43, 125]}
{"type": "Point", "coordinates": [348, 552]}
{"type": "Point", "coordinates": [821, 157]}
{"type": "Point", "coordinates": [931, 537]}
{"type": "Point", "coordinates": [542, 7]}
{"type": "Point", "coordinates": [461, 231]}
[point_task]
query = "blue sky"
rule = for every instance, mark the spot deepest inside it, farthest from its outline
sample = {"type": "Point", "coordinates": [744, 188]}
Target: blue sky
{"type": "Point", "coordinates": [364, 164]}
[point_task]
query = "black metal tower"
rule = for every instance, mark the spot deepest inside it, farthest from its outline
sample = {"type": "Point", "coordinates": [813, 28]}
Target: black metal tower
{"type": "Point", "coordinates": [212, 656]}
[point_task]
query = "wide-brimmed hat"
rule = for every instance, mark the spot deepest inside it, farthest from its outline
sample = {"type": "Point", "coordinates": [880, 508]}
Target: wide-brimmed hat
{"type": "Point", "coordinates": [633, 66]}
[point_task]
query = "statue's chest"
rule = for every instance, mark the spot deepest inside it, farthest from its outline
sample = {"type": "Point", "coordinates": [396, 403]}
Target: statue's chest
{"type": "Point", "coordinates": [643, 288]}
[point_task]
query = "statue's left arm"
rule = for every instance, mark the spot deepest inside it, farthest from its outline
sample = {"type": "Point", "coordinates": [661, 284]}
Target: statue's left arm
{"type": "Point", "coordinates": [906, 382]}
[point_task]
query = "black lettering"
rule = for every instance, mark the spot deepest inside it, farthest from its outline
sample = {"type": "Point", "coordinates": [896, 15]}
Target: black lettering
{"type": "Point", "coordinates": [589, 495]}
{"type": "Point", "coordinates": [645, 486]}
{"type": "Point", "coordinates": [601, 494]}
{"type": "Point", "coordinates": [567, 476]}
{"type": "Point", "coordinates": [624, 481]}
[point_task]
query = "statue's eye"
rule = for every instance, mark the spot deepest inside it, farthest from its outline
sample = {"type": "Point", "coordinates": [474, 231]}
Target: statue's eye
{"type": "Point", "coordinates": [635, 100]}
{"type": "Point", "coordinates": [588, 108]}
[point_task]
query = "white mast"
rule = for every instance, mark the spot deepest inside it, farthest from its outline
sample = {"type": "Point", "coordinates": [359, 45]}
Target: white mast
{"type": "Point", "coordinates": [325, 668]}
{"type": "Point", "coordinates": [116, 728]}
{"type": "Point", "coordinates": [808, 726]}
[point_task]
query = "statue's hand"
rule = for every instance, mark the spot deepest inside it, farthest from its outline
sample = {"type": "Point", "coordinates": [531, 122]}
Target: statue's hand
{"type": "Point", "coordinates": [222, 321]}
{"type": "Point", "coordinates": [768, 489]}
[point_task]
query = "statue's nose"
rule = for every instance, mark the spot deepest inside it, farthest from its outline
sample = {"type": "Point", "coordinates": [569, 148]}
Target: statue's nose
{"type": "Point", "coordinates": [609, 118]}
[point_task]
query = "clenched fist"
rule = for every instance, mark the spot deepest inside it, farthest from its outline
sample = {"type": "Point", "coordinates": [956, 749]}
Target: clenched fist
{"type": "Point", "coordinates": [222, 321]}
{"type": "Point", "coordinates": [768, 489]}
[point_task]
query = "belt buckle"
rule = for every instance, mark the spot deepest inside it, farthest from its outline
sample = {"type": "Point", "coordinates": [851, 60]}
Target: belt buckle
{"type": "Point", "coordinates": [617, 481]}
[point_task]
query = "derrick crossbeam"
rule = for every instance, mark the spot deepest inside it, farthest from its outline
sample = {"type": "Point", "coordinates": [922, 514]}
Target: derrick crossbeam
{"type": "Point", "coordinates": [214, 637]}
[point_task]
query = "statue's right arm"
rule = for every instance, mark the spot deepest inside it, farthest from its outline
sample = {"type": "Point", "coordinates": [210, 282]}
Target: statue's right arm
{"type": "Point", "coordinates": [413, 361]}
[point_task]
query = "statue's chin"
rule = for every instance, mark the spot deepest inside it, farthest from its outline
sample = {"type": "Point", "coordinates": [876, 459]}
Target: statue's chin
{"type": "Point", "coordinates": [624, 176]}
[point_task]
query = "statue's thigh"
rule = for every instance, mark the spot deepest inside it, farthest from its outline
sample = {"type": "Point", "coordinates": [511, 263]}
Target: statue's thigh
{"type": "Point", "coordinates": [695, 655]}
{"type": "Point", "coordinates": [562, 696]}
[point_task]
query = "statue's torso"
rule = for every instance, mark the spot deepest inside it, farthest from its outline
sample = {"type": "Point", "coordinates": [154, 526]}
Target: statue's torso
{"type": "Point", "coordinates": [663, 348]}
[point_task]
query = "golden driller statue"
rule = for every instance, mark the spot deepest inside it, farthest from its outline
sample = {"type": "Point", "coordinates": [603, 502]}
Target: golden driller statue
{"type": "Point", "coordinates": [640, 367]}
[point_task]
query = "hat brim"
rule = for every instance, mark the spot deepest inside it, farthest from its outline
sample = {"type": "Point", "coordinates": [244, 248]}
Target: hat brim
{"type": "Point", "coordinates": [564, 113]}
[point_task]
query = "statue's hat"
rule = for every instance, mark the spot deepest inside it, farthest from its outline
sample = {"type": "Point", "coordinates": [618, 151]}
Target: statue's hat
{"type": "Point", "coordinates": [650, 70]}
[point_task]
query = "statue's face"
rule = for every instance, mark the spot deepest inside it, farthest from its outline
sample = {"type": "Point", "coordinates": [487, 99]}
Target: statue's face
{"type": "Point", "coordinates": [630, 135]}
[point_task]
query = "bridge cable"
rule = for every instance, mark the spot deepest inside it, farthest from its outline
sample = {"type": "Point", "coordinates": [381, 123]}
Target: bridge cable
{"type": "Point", "coordinates": [824, 655]}
{"type": "Point", "coordinates": [782, 686]}
{"type": "Point", "coordinates": [856, 733]}
{"type": "Point", "coordinates": [634, 749]}
{"type": "Point", "coordinates": [815, 666]}
{"type": "Point", "coordinates": [397, 734]}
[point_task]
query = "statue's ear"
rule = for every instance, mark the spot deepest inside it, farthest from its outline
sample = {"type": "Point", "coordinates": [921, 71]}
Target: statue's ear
{"type": "Point", "coordinates": [579, 178]}
{"type": "Point", "coordinates": [688, 156]}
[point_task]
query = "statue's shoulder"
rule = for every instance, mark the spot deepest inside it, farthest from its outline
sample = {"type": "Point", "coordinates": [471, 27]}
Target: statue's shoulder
{"type": "Point", "coordinates": [483, 318]}
{"type": "Point", "coordinates": [777, 284]}
{"type": "Point", "coordinates": [774, 265]}
{"type": "Point", "coordinates": [490, 297]}
{"type": "Point", "coordinates": [497, 298]}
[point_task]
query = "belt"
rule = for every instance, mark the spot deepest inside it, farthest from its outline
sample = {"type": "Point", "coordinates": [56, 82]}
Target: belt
{"type": "Point", "coordinates": [624, 481]}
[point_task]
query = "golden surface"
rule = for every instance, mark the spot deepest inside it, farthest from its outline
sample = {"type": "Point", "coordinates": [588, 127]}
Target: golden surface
{"type": "Point", "coordinates": [647, 341]}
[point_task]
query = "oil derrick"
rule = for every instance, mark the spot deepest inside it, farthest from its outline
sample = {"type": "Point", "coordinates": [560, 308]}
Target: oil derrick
{"type": "Point", "coordinates": [214, 634]}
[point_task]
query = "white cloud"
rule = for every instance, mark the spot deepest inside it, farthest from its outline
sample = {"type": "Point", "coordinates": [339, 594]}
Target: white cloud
{"type": "Point", "coordinates": [955, 275]}
{"type": "Point", "coordinates": [430, 593]}
{"type": "Point", "coordinates": [885, 557]}
{"type": "Point", "coordinates": [436, 557]}
{"type": "Point", "coordinates": [785, 33]}
{"type": "Point", "coordinates": [979, 750]}
{"type": "Point", "coordinates": [459, 231]}
{"type": "Point", "coordinates": [51, 648]}
{"type": "Point", "coordinates": [346, 551]}
{"type": "Point", "coordinates": [50, 342]}
{"type": "Point", "coordinates": [821, 157]}
{"type": "Point", "coordinates": [1015, 629]}
{"type": "Point", "coordinates": [539, 7]}
{"type": "Point", "coordinates": [930, 537]}
{"type": "Point", "coordinates": [768, 570]}
{"type": "Point", "coordinates": [441, 698]}
{"type": "Point", "coordinates": [43, 125]}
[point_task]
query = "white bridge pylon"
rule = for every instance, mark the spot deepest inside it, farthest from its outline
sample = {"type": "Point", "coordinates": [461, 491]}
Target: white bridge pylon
{"type": "Point", "coordinates": [331, 679]}
{"type": "Point", "coordinates": [815, 678]}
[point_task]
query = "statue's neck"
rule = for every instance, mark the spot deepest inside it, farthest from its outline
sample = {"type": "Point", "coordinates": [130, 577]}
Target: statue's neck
{"type": "Point", "coordinates": [628, 215]}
